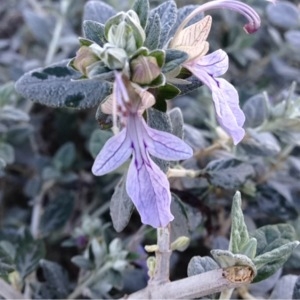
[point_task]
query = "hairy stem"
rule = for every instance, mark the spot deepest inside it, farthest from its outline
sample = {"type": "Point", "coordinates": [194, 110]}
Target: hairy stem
{"type": "Point", "coordinates": [163, 254]}
{"type": "Point", "coordinates": [192, 287]}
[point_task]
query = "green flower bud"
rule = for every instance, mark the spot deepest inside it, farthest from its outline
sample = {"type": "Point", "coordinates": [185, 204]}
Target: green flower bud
{"type": "Point", "coordinates": [151, 264]}
{"type": "Point", "coordinates": [144, 69]}
{"type": "Point", "coordinates": [125, 31]}
{"type": "Point", "coordinates": [85, 57]}
{"type": "Point", "coordinates": [180, 243]}
{"type": "Point", "coordinates": [113, 57]}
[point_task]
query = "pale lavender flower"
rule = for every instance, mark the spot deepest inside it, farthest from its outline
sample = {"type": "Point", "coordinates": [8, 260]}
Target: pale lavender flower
{"type": "Point", "coordinates": [225, 97]}
{"type": "Point", "coordinates": [146, 185]}
{"type": "Point", "coordinates": [207, 68]}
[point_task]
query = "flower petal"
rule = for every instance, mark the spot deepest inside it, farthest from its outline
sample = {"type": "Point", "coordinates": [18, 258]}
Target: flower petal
{"type": "Point", "coordinates": [215, 64]}
{"type": "Point", "coordinates": [226, 102]}
{"type": "Point", "coordinates": [166, 146]}
{"type": "Point", "coordinates": [149, 190]}
{"type": "Point", "coordinates": [114, 153]}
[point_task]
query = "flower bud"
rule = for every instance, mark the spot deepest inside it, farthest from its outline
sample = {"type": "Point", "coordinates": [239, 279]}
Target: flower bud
{"type": "Point", "coordinates": [151, 264]}
{"type": "Point", "coordinates": [180, 243]}
{"type": "Point", "coordinates": [125, 31]}
{"type": "Point", "coordinates": [113, 57]}
{"type": "Point", "coordinates": [144, 69]}
{"type": "Point", "coordinates": [85, 57]}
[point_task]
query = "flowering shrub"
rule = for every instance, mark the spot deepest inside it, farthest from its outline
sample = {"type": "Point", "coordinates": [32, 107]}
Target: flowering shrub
{"type": "Point", "coordinates": [130, 65]}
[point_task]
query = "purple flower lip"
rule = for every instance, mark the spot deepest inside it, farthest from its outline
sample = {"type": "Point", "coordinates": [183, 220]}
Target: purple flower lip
{"type": "Point", "coordinates": [240, 7]}
{"type": "Point", "coordinates": [147, 186]}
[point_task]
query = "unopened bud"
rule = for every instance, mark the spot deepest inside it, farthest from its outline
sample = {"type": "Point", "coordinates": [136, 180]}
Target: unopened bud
{"type": "Point", "coordinates": [113, 57]}
{"type": "Point", "coordinates": [85, 57]}
{"type": "Point", "coordinates": [180, 243]}
{"type": "Point", "coordinates": [151, 264]}
{"type": "Point", "coordinates": [151, 248]}
{"type": "Point", "coordinates": [144, 69]}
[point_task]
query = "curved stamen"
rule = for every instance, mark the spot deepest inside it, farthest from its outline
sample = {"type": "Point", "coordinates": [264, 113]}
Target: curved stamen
{"type": "Point", "coordinates": [242, 8]}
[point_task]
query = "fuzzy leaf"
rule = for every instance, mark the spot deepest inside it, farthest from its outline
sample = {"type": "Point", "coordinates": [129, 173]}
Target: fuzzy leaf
{"type": "Point", "coordinates": [98, 140]}
{"type": "Point", "coordinates": [6, 263]}
{"type": "Point", "coordinates": [153, 32]}
{"type": "Point", "coordinates": [275, 244]}
{"type": "Point", "coordinates": [239, 237]}
{"type": "Point", "coordinates": [65, 156]}
{"type": "Point", "coordinates": [255, 110]}
{"type": "Point", "coordinates": [228, 173]}
{"type": "Point", "coordinates": [176, 118]}
{"type": "Point", "coordinates": [98, 11]}
{"type": "Point", "coordinates": [167, 12]}
{"type": "Point", "coordinates": [94, 31]}
{"type": "Point", "coordinates": [141, 7]}
{"type": "Point", "coordinates": [174, 58]}
{"type": "Point", "coordinates": [227, 259]}
{"type": "Point", "coordinates": [269, 262]}
{"type": "Point", "coordinates": [56, 279]}
{"type": "Point", "coordinates": [58, 85]}
{"type": "Point", "coordinates": [199, 265]}
{"type": "Point", "coordinates": [7, 153]}
{"type": "Point", "coordinates": [29, 253]}
{"type": "Point", "coordinates": [57, 213]}
{"type": "Point", "coordinates": [121, 206]}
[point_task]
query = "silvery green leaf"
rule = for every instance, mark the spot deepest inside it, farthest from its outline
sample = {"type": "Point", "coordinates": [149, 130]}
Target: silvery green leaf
{"type": "Point", "coordinates": [2, 164]}
{"type": "Point", "coordinates": [97, 140]}
{"type": "Point", "coordinates": [193, 84]}
{"type": "Point", "coordinates": [6, 92]}
{"type": "Point", "coordinates": [284, 15]}
{"type": "Point", "coordinates": [260, 144]}
{"type": "Point", "coordinates": [57, 213]}
{"type": "Point", "coordinates": [227, 259]}
{"type": "Point", "coordinates": [228, 173]}
{"type": "Point", "coordinates": [293, 38]}
{"type": "Point", "coordinates": [269, 262]}
{"type": "Point", "coordinates": [94, 31]}
{"type": "Point", "coordinates": [10, 113]}
{"type": "Point", "coordinates": [284, 287]}
{"type": "Point", "coordinates": [56, 279]}
{"type": "Point", "coordinates": [59, 85]}
{"type": "Point", "coordinates": [153, 32]}
{"type": "Point", "coordinates": [180, 224]}
{"type": "Point", "coordinates": [176, 119]}
{"type": "Point", "coordinates": [199, 265]}
{"type": "Point", "coordinates": [28, 256]}
{"type": "Point", "coordinates": [7, 153]}
{"type": "Point", "coordinates": [141, 7]}
{"type": "Point", "coordinates": [65, 156]}
{"type": "Point", "coordinates": [182, 13]}
{"type": "Point", "coordinates": [41, 26]}
{"type": "Point", "coordinates": [121, 206]}
{"type": "Point", "coordinates": [167, 12]}
{"type": "Point", "coordinates": [174, 58]}
{"type": "Point", "coordinates": [296, 289]}
{"type": "Point", "coordinates": [278, 238]}
{"type": "Point", "coordinates": [6, 263]}
{"type": "Point", "coordinates": [82, 262]}
{"type": "Point", "coordinates": [256, 111]}
{"type": "Point", "coordinates": [167, 92]}
{"type": "Point", "coordinates": [98, 11]}
{"type": "Point", "coordinates": [239, 237]}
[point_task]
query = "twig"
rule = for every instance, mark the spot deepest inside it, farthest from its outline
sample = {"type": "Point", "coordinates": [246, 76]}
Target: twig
{"type": "Point", "coordinates": [162, 255]}
{"type": "Point", "coordinates": [192, 287]}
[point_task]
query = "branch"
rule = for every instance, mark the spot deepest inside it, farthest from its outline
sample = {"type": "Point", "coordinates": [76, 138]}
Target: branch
{"type": "Point", "coordinates": [192, 287]}
{"type": "Point", "coordinates": [162, 255]}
